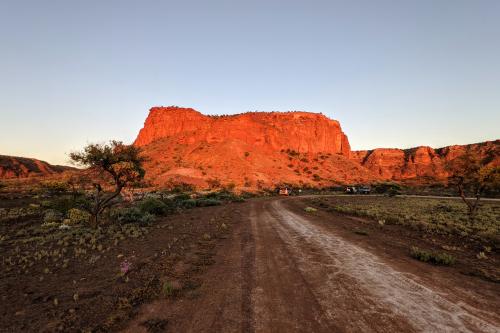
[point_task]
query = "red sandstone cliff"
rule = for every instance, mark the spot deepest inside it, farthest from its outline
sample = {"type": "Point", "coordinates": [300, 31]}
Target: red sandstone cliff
{"type": "Point", "coordinates": [259, 149]}
{"type": "Point", "coordinates": [421, 163]}
{"type": "Point", "coordinates": [22, 167]}
{"type": "Point", "coordinates": [255, 149]}
{"type": "Point", "coordinates": [300, 131]}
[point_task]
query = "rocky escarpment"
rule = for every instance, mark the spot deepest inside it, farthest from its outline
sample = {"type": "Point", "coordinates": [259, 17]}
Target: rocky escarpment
{"type": "Point", "coordinates": [423, 164]}
{"type": "Point", "coordinates": [302, 132]}
{"type": "Point", "coordinates": [23, 167]}
{"type": "Point", "coordinates": [262, 149]}
{"type": "Point", "coordinates": [250, 150]}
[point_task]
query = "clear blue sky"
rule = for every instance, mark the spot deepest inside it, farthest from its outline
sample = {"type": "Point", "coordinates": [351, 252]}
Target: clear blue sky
{"type": "Point", "coordinates": [394, 73]}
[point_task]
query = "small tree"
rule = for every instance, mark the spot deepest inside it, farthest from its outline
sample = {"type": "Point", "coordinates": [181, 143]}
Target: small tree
{"type": "Point", "coordinates": [114, 164]}
{"type": "Point", "coordinates": [473, 176]}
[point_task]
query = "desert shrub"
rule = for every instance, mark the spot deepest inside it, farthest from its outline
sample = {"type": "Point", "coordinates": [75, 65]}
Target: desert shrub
{"type": "Point", "coordinates": [45, 203]}
{"type": "Point", "coordinates": [432, 257]}
{"type": "Point", "coordinates": [62, 205]}
{"type": "Point", "coordinates": [391, 189]}
{"type": "Point", "coordinates": [181, 188]}
{"type": "Point", "coordinates": [220, 195]}
{"type": "Point", "coordinates": [247, 154]}
{"type": "Point", "coordinates": [310, 209]}
{"type": "Point", "coordinates": [182, 197]}
{"type": "Point", "coordinates": [78, 216]}
{"type": "Point", "coordinates": [52, 216]}
{"type": "Point", "coordinates": [238, 198]}
{"type": "Point", "coordinates": [153, 206]}
{"type": "Point", "coordinates": [132, 215]}
{"type": "Point", "coordinates": [436, 216]}
{"type": "Point", "coordinates": [443, 207]}
{"type": "Point", "coordinates": [167, 289]}
{"type": "Point", "coordinates": [189, 203]}
{"type": "Point", "coordinates": [53, 187]}
{"type": "Point", "coordinates": [206, 202]}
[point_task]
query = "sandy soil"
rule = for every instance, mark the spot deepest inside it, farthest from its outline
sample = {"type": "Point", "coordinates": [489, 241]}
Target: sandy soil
{"type": "Point", "coordinates": [285, 270]}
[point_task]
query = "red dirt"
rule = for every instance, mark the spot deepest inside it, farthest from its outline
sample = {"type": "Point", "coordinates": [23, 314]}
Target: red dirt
{"type": "Point", "coordinates": [176, 249]}
{"type": "Point", "coordinates": [288, 271]}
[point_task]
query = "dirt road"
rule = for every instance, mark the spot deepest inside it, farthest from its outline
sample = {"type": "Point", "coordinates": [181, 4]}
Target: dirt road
{"type": "Point", "coordinates": [287, 271]}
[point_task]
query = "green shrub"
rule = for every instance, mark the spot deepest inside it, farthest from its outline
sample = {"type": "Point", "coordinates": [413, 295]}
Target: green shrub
{"type": "Point", "coordinates": [153, 206]}
{"type": "Point", "coordinates": [224, 195]}
{"type": "Point", "coordinates": [205, 202]}
{"type": "Point", "coordinates": [64, 204]}
{"type": "Point", "coordinates": [167, 289]}
{"type": "Point", "coordinates": [78, 216]}
{"type": "Point", "coordinates": [132, 215]}
{"type": "Point", "coordinates": [182, 197]}
{"type": "Point", "coordinates": [238, 198]}
{"type": "Point", "coordinates": [182, 187]}
{"type": "Point", "coordinates": [432, 257]}
{"type": "Point", "coordinates": [189, 203]}
{"type": "Point", "coordinates": [391, 189]}
{"type": "Point", "coordinates": [52, 216]}
{"type": "Point", "coordinates": [45, 203]}
{"type": "Point", "coordinates": [310, 209]}
{"type": "Point", "coordinates": [53, 187]}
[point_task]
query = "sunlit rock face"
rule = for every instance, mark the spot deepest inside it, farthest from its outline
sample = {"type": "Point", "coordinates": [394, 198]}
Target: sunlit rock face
{"type": "Point", "coordinates": [299, 131]}
{"type": "Point", "coordinates": [261, 149]}
{"type": "Point", "coordinates": [421, 163]}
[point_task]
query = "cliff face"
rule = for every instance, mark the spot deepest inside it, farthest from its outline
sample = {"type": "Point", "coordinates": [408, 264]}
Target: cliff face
{"type": "Point", "coordinates": [260, 149]}
{"type": "Point", "coordinates": [421, 163]}
{"type": "Point", "coordinates": [299, 131]}
{"type": "Point", "coordinates": [22, 167]}
{"type": "Point", "coordinates": [252, 150]}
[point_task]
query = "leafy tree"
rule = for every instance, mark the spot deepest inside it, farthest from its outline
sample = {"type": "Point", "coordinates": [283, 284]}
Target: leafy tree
{"type": "Point", "coordinates": [473, 176]}
{"type": "Point", "coordinates": [114, 164]}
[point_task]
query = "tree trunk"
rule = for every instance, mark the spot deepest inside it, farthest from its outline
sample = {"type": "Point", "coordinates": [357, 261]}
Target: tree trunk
{"type": "Point", "coordinates": [94, 220]}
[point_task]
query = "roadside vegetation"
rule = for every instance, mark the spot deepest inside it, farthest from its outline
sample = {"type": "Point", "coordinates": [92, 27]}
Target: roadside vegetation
{"type": "Point", "coordinates": [437, 258]}
{"type": "Point", "coordinates": [55, 265]}
{"type": "Point", "coordinates": [78, 252]}
{"type": "Point", "coordinates": [434, 231]}
{"type": "Point", "coordinates": [432, 216]}
{"type": "Point", "coordinates": [473, 177]}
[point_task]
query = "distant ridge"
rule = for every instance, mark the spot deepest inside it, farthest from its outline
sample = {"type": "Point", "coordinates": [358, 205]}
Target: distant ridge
{"type": "Point", "coordinates": [24, 167]}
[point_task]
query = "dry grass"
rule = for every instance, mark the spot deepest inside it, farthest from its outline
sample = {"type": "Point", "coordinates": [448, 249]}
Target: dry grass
{"type": "Point", "coordinates": [441, 216]}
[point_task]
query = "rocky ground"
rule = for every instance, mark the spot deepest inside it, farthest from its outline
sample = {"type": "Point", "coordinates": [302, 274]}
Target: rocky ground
{"type": "Point", "coordinates": [264, 265]}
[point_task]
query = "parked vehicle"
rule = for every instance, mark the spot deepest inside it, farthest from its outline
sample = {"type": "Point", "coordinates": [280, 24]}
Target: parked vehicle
{"type": "Point", "coordinates": [351, 190]}
{"type": "Point", "coordinates": [364, 190]}
{"type": "Point", "coordinates": [284, 191]}
{"type": "Point", "coordinates": [360, 189]}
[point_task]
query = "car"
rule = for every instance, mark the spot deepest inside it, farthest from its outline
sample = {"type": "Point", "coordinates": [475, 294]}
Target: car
{"type": "Point", "coordinates": [351, 190]}
{"type": "Point", "coordinates": [364, 189]}
{"type": "Point", "coordinates": [284, 191]}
